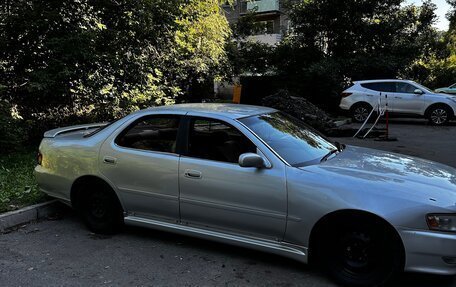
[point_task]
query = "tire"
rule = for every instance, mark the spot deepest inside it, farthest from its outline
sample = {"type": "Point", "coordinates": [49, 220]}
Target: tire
{"type": "Point", "coordinates": [360, 112]}
{"type": "Point", "coordinates": [360, 254]}
{"type": "Point", "coordinates": [439, 115]}
{"type": "Point", "coordinates": [101, 210]}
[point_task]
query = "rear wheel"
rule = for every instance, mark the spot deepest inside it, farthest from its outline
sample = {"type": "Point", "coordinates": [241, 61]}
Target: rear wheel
{"type": "Point", "coordinates": [360, 112]}
{"type": "Point", "coordinates": [360, 254]}
{"type": "Point", "coordinates": [101, 210]}
{"type": "Point", "coordinates": [439, 115]}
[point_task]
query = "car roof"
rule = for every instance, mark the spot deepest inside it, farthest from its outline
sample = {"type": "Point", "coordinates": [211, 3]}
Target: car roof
{"type": "Point", "coordinates": [232, 111]}
{"type": "Point", "coordinates": [383, 80]}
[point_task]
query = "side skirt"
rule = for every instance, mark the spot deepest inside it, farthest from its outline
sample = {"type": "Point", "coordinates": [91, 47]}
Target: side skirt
{"type": "Point", "coordinates": [285, 249]}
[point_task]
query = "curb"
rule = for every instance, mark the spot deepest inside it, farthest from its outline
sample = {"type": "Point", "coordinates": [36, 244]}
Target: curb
{"type": "Point", "coordinates": [27, 214]}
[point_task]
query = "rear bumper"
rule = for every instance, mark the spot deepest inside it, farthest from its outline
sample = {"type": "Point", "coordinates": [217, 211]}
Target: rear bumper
{"type": "Point", "coordinates": [51, 184]}
{"type": "Point", "coordinates": [429, 252]}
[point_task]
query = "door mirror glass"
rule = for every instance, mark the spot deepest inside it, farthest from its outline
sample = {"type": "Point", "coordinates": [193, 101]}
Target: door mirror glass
{"type": "Point", "coordinates": [418, 92]}
{"type": "Point", "coordinates": [251, 160]}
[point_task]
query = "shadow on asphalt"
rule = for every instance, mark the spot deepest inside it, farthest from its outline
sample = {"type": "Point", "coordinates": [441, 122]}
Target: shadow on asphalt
{"type": "Point", "coordinates": [253, 257]}
{"type": "Point", "coordinates": [248, 256]}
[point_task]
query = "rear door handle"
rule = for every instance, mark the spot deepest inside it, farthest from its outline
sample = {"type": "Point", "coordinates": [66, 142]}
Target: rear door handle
{"type": "Point", "coordinates": [110, 160]}
{"type": "Point", "coordinates": [190, 173]}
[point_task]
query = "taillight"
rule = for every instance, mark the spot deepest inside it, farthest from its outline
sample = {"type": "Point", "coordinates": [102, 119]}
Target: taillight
{"type": "Point", "coordinates": [344, 95]}
{"type": "Point", "coordinates": [39, 158]}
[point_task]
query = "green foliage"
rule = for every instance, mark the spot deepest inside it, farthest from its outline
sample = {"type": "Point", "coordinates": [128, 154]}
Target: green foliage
{"type": "Point", "coordinates": [354, 32]}
{"type": "Point", "coordinates": [68, 61]}
{"type": "Point", "coordinates": [11, 129]}
{"type": "Point", "coordinates": [335, 42]}
{"type": "Point", "coordinates": [437, 68]}
{"type": "Point", "coordinates": [201, 36]}
{"type": "Point", "coordinates": [17, 183]}
{"type": "Point", "coordinates": [250, 58]}
{"type": "Point", "coordinates": [452, 14]}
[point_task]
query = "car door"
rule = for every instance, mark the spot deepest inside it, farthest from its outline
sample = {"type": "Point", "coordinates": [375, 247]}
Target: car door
{"type": "Point", "coordinates": [142, 162]}
{"type": "Point", "coordinates": [216, 193]}
{"type": "Point", "coordinates": [380, 93]}
{"type": "Point", "coordinates": [405, 101]}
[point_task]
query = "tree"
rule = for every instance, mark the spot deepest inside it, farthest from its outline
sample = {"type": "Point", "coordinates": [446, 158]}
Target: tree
{"type": "Point", "coordinates": [79, 60]}
{"type": "Point", "coordinates": [438, 68]}
{"type": "Point", "coordinates": [452, 15]}
{"type": "Point", "coordinates": [356, 32]}
{"type": "Point", "coordinates": [335, 42]}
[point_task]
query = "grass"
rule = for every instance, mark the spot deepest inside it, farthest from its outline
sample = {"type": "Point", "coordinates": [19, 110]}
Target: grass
{"type": "Point", "coordinates": [18, 187]}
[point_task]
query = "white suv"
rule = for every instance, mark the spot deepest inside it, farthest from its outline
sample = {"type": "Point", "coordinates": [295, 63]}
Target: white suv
{"type": "Point", "coordinates": [403, 97]}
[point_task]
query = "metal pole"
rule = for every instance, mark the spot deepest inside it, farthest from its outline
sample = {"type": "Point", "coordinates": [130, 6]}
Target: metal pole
{"type": "Point", "coordinates": [387, 118]}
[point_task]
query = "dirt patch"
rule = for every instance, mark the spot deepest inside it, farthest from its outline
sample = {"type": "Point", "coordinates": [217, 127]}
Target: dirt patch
{"type": "Point", "coordinates": [303, 110]}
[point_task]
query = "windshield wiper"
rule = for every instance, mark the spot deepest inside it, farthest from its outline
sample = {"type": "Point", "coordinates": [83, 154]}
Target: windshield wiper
{"type": "Point", "coordinates": [339, 148]}
{"type": "Point", "coordinates": [325, 158]}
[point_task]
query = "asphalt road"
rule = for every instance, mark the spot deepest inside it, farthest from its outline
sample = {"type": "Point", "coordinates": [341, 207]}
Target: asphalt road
{"type": "Point", "coordinates": [63, 253]}
{"type": "Point", "coordinates": [415, 138]}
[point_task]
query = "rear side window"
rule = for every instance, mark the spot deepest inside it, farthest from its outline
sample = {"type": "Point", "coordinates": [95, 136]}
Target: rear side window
{"type": "Point", "coordinates": [215, 140]}
{"type": "Point", "coordinates": [151, 133]}
{"type": "Point", "coordinates": [385, 87]}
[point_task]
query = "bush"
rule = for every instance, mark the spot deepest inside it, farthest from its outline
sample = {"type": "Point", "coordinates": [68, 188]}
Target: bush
{"type": "Point", "coordinates": [18, 187]}
{"type": "Point", "coordinates": [11, 129]}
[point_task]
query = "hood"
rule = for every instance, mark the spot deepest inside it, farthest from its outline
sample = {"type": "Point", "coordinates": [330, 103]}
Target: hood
{"type": "Point", "coordinates": [447, 96]}
{"type": "Point", "coordinates": [394, 172]}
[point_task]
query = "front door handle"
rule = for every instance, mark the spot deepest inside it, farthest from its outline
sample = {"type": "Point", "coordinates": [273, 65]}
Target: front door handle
{"type": "Point", "coordinates": [190, 173]}
{"type": "Point", "coordinates": [110, 160]}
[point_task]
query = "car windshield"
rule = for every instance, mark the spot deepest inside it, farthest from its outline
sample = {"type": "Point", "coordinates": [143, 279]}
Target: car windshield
{"type": "Point", "coordinates": [297, 143]}
{"type": "Point", "coordinates": [453, 86]}
{"type": "Point", "coordinates": [426, 89]}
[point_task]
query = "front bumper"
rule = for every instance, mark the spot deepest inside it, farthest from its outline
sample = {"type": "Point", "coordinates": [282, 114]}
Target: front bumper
{"type": "Point", "coordinates": [429, 252]}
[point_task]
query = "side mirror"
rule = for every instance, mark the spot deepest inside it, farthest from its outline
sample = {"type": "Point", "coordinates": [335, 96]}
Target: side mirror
{"type": "Point", "coordinates": [251, 160]}
{"type": "Point", "coordinates": [418, 92]}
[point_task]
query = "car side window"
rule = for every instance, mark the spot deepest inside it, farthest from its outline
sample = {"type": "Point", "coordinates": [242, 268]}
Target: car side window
{"type": "Point", "coordinates": [216, 140]}
{"type": "Point", "coordinates": [385, 87]}
{"type": "Point", "coordinates": [405, 88]}
{"type": "Point", "coordinates": [151, 133]}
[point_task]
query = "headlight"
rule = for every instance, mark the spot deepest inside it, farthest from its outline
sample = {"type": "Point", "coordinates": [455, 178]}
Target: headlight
{"type": "Point", "coordinates": [442, 222]}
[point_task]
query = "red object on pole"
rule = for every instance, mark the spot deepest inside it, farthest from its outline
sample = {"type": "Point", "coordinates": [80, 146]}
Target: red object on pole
{"type": "Point", "coordinates": [386, 136]}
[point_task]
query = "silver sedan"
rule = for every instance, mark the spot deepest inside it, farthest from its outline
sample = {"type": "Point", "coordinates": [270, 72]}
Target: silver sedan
{"type": "Point", "coordinates": [256, 177]}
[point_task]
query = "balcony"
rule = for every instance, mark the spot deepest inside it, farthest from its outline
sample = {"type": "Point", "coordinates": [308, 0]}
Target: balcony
{"type": "Point", "coordinates": [269, 39]}
{"type": "Point", "coordinates": [260, 6]}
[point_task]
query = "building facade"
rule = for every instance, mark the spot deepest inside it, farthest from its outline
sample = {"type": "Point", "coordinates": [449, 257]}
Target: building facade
{"type": "Point", "coordinates": [271, 13]}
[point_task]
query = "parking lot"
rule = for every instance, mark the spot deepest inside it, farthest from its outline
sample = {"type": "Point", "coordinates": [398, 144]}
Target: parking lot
{"type": "Point", "coordinates": [61, 251]}
{"type": "Point", "coordinates": [415, 137]}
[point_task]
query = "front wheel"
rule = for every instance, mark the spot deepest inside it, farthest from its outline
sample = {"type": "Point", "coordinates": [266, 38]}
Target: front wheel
{"type": "Point", "coordinates": [360, 254]}
{"type": "Point", "coordinates": [439, 115]}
